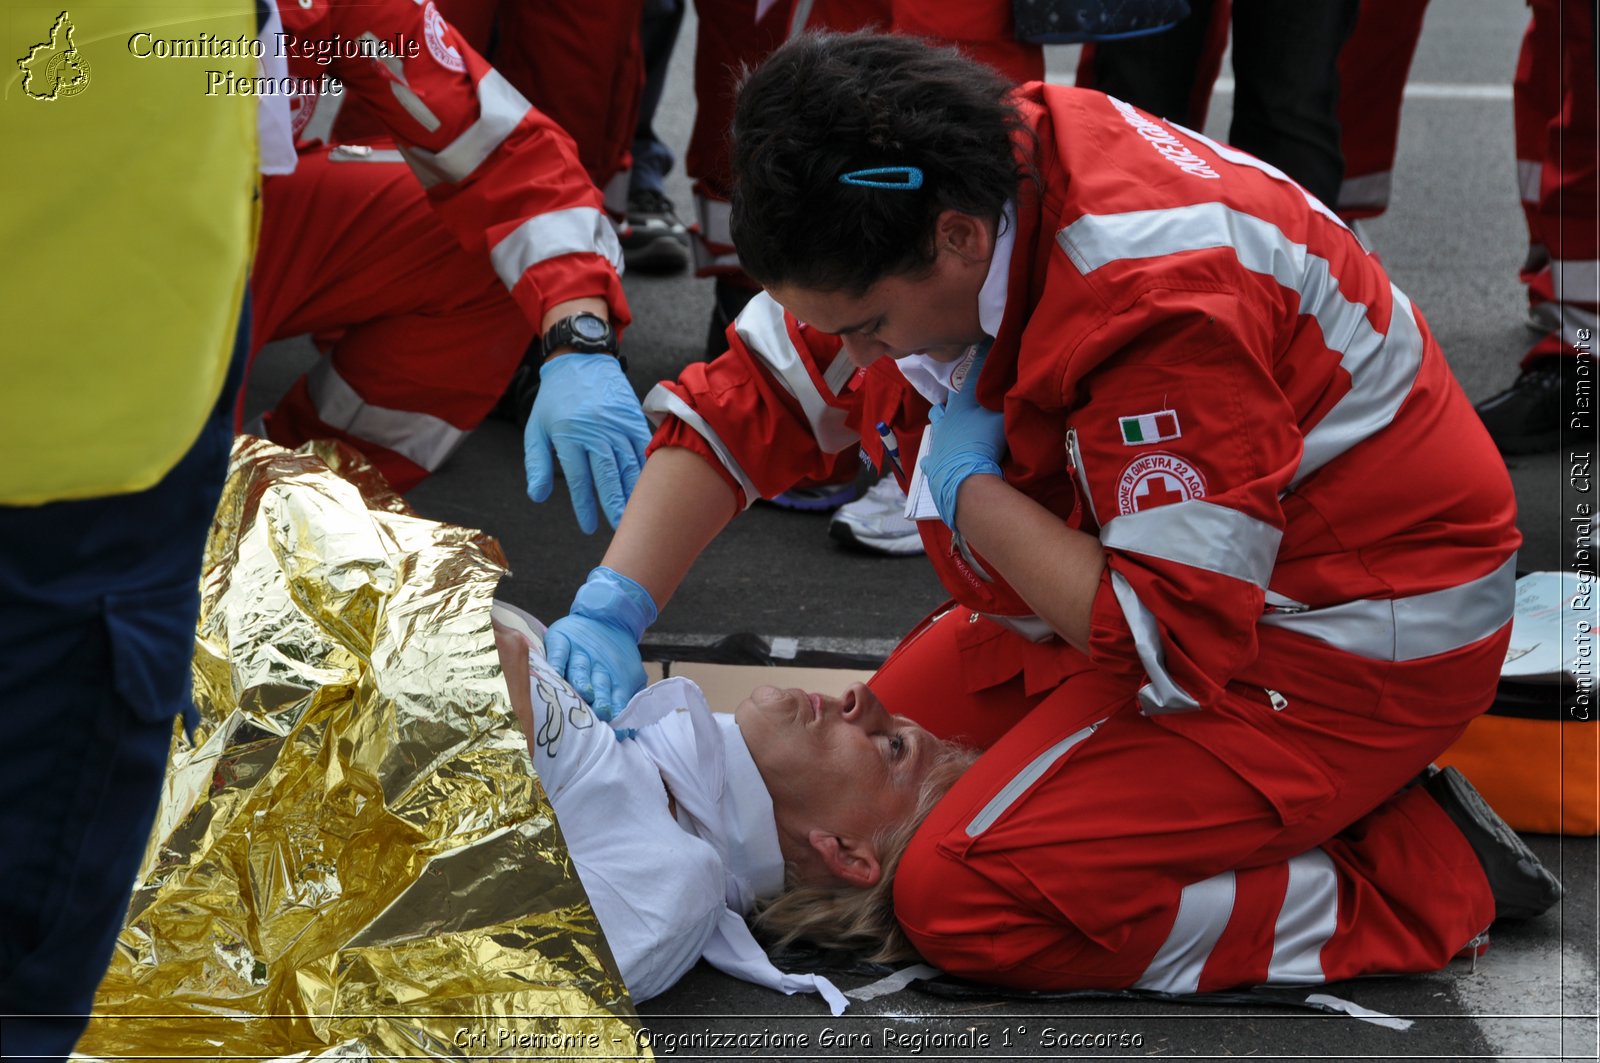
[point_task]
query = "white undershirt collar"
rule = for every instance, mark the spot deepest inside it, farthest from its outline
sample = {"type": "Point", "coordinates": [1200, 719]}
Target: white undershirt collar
{"type": "Point", "coordinates": [930, 376]}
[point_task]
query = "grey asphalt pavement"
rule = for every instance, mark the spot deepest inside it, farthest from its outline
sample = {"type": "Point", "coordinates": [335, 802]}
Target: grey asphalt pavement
{"type": "Point", "coordinates": [1452, 240]}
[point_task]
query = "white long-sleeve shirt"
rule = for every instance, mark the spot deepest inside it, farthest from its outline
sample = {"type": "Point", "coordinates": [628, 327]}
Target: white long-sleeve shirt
{"type": "Point", "coordinates": [666, 889]}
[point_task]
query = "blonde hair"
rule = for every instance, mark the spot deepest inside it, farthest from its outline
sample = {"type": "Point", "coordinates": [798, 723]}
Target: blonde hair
{"type": "Point", "coordinates": [849, 918]}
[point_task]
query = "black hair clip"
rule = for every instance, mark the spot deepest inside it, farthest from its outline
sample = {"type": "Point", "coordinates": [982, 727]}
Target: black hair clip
{"type": "Point", "coordinates": [905, 178]}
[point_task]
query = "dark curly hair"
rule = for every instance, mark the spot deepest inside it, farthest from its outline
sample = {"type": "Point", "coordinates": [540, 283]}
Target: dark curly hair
{"type": "Point", "coordinates": [825, 104]}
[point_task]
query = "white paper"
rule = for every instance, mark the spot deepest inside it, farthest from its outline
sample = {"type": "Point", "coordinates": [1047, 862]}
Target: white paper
{"type": "Point", "coordinates": [1541, 649]}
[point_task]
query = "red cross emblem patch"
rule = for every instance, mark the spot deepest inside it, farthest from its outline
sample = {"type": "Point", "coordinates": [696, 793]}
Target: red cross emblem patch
{"type": "Point", "coordinates": [1157, 479]}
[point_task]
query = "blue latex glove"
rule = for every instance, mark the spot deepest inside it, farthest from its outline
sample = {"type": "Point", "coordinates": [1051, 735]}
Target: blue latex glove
{"type": "Point", "coordinates": [967, 440]}
{"type": "Point", "coordinates": [589, 416]}
{"type": "Point", "coordinates": [596, 645]}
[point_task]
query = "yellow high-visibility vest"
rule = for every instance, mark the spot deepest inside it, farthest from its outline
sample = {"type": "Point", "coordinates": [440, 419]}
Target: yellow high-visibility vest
{"type": "Point", "coordinates": [126, 227]}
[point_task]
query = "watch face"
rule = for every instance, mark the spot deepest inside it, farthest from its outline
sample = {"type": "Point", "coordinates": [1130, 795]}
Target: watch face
{"type": "Point", "coordinates": [589, 327]}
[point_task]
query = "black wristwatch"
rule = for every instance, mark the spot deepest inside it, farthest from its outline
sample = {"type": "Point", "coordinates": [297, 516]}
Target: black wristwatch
{"type": "Point", "coordinates": [584, 333]}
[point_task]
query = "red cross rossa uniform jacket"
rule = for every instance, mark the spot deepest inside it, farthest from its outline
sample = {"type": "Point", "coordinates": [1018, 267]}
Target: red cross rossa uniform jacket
{"type": "Point", "coordinates": [1200, 364]}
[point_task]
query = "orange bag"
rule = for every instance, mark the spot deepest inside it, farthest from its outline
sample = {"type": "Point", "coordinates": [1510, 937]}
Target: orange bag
{"type": "Point", "coordinates": [1535, 757]}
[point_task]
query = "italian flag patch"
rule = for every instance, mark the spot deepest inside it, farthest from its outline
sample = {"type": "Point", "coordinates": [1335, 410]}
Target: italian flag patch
{"type": "Point", "coordinates": [1155, 427]}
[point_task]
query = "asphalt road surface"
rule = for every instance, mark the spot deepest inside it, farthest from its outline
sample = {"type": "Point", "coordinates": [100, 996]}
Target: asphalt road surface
{"type": "Point", "coordinates": [1452, 240]}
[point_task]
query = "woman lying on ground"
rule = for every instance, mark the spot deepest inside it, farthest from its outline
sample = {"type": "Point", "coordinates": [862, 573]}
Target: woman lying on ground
{"type": "Point", "coordinates": [681, 821]}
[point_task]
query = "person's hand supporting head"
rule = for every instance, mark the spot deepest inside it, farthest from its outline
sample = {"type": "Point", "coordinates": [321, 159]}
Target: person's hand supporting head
{"type": "Point", "coordinates": [596, 645]}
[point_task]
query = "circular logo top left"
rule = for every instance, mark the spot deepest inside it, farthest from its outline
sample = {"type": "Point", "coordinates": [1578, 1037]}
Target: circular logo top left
{"type": "Point", "coordinates": [54, 69]}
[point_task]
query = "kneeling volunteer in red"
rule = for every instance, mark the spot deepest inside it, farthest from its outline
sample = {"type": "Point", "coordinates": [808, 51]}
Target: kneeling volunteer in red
{"type": "Point", "coordinates": [1233, 556]}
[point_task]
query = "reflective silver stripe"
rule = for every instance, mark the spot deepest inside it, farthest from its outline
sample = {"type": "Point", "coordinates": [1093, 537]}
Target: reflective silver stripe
{"type": "Point", "coordinates": [1368, 190]}
{"type": "Point", "coordinates": [1075, 455]}
{"type": "Point", "coordinates": [574, 231]}
{"type": "Point", "coordinates": [1381, 368]}
{"type": "Point", "coordinates": [500, 110]}
{"type": "Point", "coordinates": [1569, 320]}
{"type": "Point", "coordinates": [1161, 694]}
{"type": "Point", "coordinates": [762, 327]}
{"type": "Point", "coordinates": [1578, 325]}
{"type": "Point", "coordinates": [422, 437]}
{"type": "Point", "coordinates": [1529, 176]}
{"type": "Point", "coordinates": [1382, 371]}
{"type": "Point", "coordinates": [1576, 280]}
{"type": "Point", "coordinates": [1203, 913]}
{"type": "Point", "coordinates": [716, 216]}
{"type": "Point", "coordinates": [1033, 628]}
{"type": "Point", "coordinates": [1201, 535]}
{"type": "Point", "coordinates": [663, 401]}
{"type": "Point", "coordinates": [1030, 774]}
{"type": "Point", "coordinates": [615, 194]}
{"type": "Point", "coordinates": [1284, 602]}
{"type": "Point", "coordinates": [1408, 629]}
{"type": "Point", "coordinates": [1240, 158]}
{"type": "Point", "coordinates": [400, 88]}
{"type": "Point", "coordinates": [1308, 918]}
{"type": "Point", "coordinates": [798, 20]}
{"type": "Point", "coordinates": [839, 372]}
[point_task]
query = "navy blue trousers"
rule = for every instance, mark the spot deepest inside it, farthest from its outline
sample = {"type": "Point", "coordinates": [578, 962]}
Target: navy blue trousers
{"type": "Point", "coordinates": [98, 600]}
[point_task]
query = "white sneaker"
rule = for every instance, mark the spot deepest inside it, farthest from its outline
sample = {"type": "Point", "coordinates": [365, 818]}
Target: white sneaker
{"type": "Point", "coordinates": [877, 521]}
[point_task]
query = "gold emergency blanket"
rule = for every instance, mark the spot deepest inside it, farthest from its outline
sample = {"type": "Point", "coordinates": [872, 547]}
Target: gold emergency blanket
{"type": "Point", "coordinates": [353, 856]}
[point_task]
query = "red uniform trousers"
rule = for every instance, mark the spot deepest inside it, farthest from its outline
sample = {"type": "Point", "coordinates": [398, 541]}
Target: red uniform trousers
{"type": "Point", "coordinates": [1553, 98]}
{"type": "Point", "coordinates": [579, 63]}
{"type": "Point", "coordinates": [427, 335]}
{"type": "Point", "coordinates": [730, 39]}
{"type": "Point", "coordinates": [1147, 853]}
{"type": "Point", "coordinates": [1372, 79]}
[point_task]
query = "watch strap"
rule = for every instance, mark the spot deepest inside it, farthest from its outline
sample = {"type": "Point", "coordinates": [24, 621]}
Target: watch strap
{"type": "Point", "coordinates": [564, 333]}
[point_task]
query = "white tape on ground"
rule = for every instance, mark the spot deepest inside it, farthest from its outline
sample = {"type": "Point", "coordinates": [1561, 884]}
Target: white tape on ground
{"type": "Point", "coordinates": [894, 982]}
{"type": "Point", "coordinates": [1377, 1018]}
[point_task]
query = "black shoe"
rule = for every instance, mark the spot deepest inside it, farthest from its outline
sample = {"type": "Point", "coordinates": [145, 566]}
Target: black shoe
{"type": "Point", "coordinates": [655, 240]}
{"type": "Point", "coordinates": [730, 298]}
{"type": "Point", "coordinates": [1521, 886]}
{"type": "Point", "coordinates": [1526, 417]}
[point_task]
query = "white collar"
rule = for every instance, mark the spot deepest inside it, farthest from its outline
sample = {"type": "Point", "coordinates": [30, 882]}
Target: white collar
{"type": "Point", "coordinates": [715, 783]}
{"type": "Point", "coordinates": [992, 296]}
{"type": "Point", "coordinates": [931, 377]}
{"type": "Point", "coordinates": [722, 799]}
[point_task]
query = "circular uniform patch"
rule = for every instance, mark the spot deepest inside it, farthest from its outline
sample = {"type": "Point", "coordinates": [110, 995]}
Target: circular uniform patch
{"type": "Point", "coordinates": [1158, 479]}
{"type": "Point", "coordinates": [433, 26]}
{"type": "Point", "coordinates": [302, 105]}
